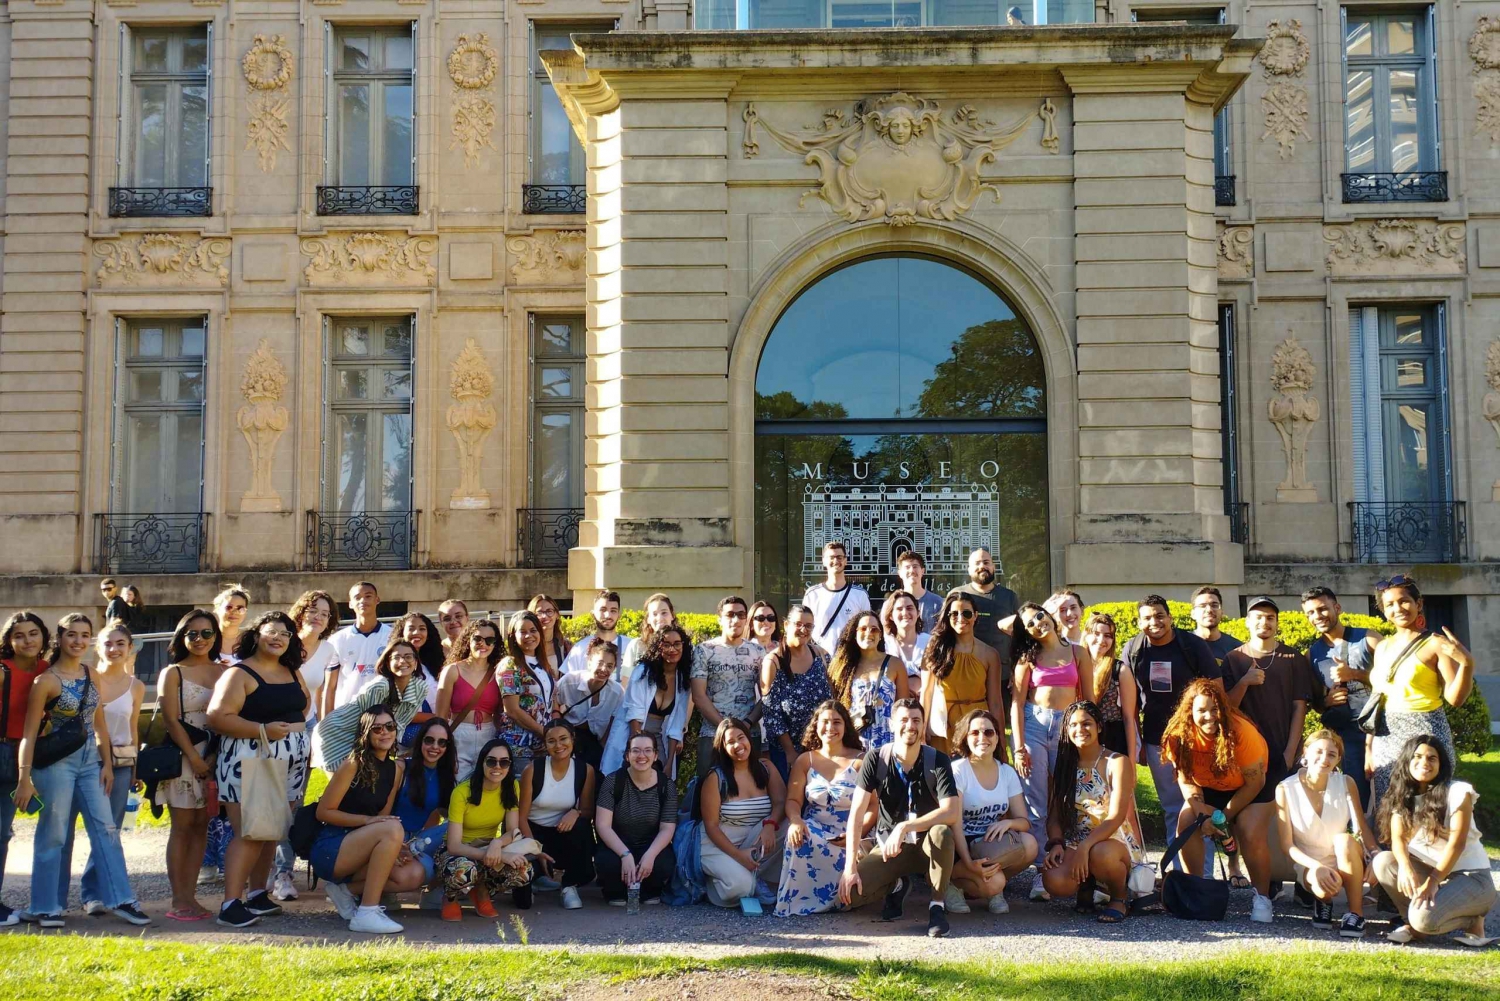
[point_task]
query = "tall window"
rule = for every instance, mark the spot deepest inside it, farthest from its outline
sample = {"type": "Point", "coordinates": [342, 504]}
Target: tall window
{"type": "Point", "coordinates": [1390, 107]}
{"type": "Point", "coordinates": [1229, 440]}
{"type": "Point", "coordinates": [372, 128]}
{"type": "Point", "coordinates": [159, 441]}
{"type": "Point", "coordinates": [556, 154]}
{"type": "Point", "coordinates": [369, 440]}
{"type": "Point", "coordinates": [559, 352]}
{"type": "Point", "coordinates": [169, 107]}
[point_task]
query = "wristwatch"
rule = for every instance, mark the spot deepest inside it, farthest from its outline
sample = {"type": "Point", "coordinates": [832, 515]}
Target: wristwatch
{"type": "Point", "coordinates": [1219, 820]}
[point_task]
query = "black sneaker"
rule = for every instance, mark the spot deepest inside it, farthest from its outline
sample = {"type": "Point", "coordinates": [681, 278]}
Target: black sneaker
{"type": "Point", "coordinates": [1304, 896]}
{"type": "Point", "coordinates": [937, 922]}
{"type": "Point", "coordinates": [1353, 926]}
{"type": "Point", "coordinates": [9, 917]}
{"type": "Point", "coordinates": [521, 896]}
{"type": "Point", "coordinates": [261, 905]}
{"type": "Point", "coordinates": [1322, 914]}
{"type": "Point", "coordinates": [895, 900]}
{"type": "Point", "coordinates": [131, 913]}
{"type": "Point", "coordinates": [50, 920]}
{"type": "Point", "coordinates": [236, 915]}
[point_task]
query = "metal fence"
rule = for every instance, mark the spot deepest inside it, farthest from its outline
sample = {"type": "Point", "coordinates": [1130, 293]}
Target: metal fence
{"type": "Point", "coordinates": [149, 543]}
{"type": "Point", "coordinates": [545, 534]}
{"type": "Point", "coordinates": [1409, 532]}
{"type": "Point", "coordinates": [374, 540]}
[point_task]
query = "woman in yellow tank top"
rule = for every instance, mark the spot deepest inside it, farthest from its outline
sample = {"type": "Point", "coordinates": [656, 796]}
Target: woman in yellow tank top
{"type": "Point", "coordinates": [959, 673]}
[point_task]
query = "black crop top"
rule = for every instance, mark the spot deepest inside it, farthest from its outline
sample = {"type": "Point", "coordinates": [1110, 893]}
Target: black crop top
{"type": "Point", "coordinates": [283, 703]}
{"type": "Point", "coordinates": [367, 802]}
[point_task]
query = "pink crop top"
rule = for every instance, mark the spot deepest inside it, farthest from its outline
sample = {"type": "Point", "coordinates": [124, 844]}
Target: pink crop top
{"type": "Point", "coordinates": [489, 699]}
{"type": "Point", "coordinates": [1057, 676]}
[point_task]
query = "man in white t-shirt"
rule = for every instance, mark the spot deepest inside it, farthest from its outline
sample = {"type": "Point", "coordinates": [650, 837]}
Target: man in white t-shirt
{"type": "Point", "coordinates": [357, 648]}
{"type": "Point", "coordinates": [835, 601]}
{"type": "Point", "coordinates": [606, 612]}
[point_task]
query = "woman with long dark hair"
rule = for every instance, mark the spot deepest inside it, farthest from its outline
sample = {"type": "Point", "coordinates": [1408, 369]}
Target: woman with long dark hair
{"type": "Point", "coordinates": [866, 679]}
{"type": "Point", "coordinates": [1437, 872]}
{"type": "Point", "coordinates": [468, 694]}
{"type": "Point", "coordinates": [398, 685]}
{"type": "Point", "coordinates": [484, 820]}
{"type": "Point", "coordinates": [657, 613]}
{"type": "Point", "coordinates": [527, 682]}
{"type": "Point", "coordinates": [657, 701]}
{"type": "Point", "coordinates": [557, 809]}
{"type": "Point", "coordinates": [23, 640]}
{"type": "Point", "coordinates": [743, 804]}
{"type": "Point", "coordinates": [549, 615]}
{"type": "Point", "coordinates": [418, 630]}
{"type": "Point", "coordinates": [997, 842]}
{"type": "Point", "coordinates": [765, 625]}
{"type": "Point", "coordinates": [817, 811]}
{"type": "Point", "coordinates": [426, 790]}
{"type": "Point", "coordinates": [960, 673]}
{"type": "Point", "coordinates": [794, 678]}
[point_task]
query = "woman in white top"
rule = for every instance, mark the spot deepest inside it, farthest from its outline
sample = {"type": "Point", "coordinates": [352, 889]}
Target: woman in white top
{"type": "Point", "coordinates": [317, 617]}
{"type": "Point", "coordinates": [658, 613]}
{"type": "Point", "coordinates": [557, 809]}
{"type": "Point", "coordinates": [997, 842]}
{"type": "Point", "coordinates": [120, 693]}
{"type": "Point", "coordinates": [1437, 872]}
{"type": "Point", "coordinates": [1318, 814]}
{"type": "Point", "coordinates": [904, 634]}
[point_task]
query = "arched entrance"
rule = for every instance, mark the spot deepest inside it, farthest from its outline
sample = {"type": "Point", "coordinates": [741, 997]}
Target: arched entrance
{"type": "Point", "coordinates": [900, 404]}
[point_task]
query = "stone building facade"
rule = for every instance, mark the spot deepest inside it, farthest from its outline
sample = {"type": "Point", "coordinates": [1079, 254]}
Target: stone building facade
{"type": "Point", "coordinates": [487, 298]}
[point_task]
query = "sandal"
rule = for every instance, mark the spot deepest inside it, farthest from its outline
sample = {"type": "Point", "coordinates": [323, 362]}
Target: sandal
{"type": "Point", "coordinates": [1239, 882]}
{"type": "Point", "coordinates": [1114, 912]}
{"type": "Point", "coordinates": [185, 915]}
{"type": "Point", "coordinates": [1473, 941]}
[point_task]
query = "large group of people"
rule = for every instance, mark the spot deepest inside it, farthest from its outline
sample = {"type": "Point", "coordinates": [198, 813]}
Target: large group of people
{"type": "Point", "coordinates": [846, 755]}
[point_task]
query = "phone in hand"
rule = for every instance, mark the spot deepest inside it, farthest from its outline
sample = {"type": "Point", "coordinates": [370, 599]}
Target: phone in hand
{"type": "Point", "coordinates": [34, 807]}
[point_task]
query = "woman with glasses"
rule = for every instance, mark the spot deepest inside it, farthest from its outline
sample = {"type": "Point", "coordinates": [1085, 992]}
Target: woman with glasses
{"type": "Point", "coordinates": [359, 849]}
{"type": "Point", "coordinates": [636, 817]}
{"type": "Point", "coordinates": [483, 820]}
{"type": "Point", "coordinates": [817, 812]}
{"type": "Point", "coordinates": [468, 695]}
{"type": "Point", "coordinates": [794, 677]}
{"type": "Point", "coordinates": [397, 685]}
{"type": "Point", "coordinates": [960, 673]}
{"type": "Point", "coordinates": [867, 679]}
{"type": "Point", "coordinates": [904, 635]}
{"type": "Point", "coordinates": [261, 698]}
{"type": "Point", "coordinates": [426, 789]}
{"type": "Point", "coordinates": [527, 682]}
{"type": "Point", "coordinates": [765, 625]}
{"type": "Point", "coordinates": [544, 607]}
{"type": "Point", "coordinates": [657, 700]}
{"type": "Point", "coordinates": [557, 809]}
{"type": "Point", "coordinates": [997, 842]}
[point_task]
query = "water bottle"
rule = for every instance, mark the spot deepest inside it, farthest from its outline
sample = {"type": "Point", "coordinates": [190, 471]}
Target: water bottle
{"type": "Point", "coordinates": [132, 807]}
{"type": "Point", "coordinates": [633, 899]}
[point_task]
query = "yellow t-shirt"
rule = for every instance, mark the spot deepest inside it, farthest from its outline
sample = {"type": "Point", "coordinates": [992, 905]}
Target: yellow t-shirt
{"type": "Point", "coordinates": [481, 821]}
{"type": "Point", "coordinates": [1413, 687]}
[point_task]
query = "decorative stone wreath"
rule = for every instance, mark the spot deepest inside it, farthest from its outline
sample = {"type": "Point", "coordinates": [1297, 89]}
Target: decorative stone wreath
{"type": "Point", "coordinates": [473, 63]}
{"type": "Point", "coordinates": [265, 53]}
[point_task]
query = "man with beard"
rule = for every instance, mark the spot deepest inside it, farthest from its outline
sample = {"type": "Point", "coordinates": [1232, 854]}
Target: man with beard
{"type": "Point", "coordinates": [992, 605]}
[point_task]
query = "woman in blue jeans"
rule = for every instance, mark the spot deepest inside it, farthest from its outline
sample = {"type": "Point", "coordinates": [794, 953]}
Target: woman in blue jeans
{"type": "Point", "coordinates": [65, 694]}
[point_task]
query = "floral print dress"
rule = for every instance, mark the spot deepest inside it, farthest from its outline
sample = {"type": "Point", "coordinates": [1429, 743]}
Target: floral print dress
{"type": "Point", "coordinates": [876, 699]}
{"type": "Point", "coordinates": [1092, 799]}
{"type": "Point", "coordinates": [794, 697]}
{"type": "Point", "coordinates": [533, 687]}
{"type": "Point", "coordinates": [810, 872]}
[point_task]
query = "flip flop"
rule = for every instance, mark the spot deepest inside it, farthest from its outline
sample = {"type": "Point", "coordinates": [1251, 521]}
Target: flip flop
{"type": "Point", "coordinates": [1111, 916]}
{"type": "Point", "coordinates": [187, 916]}
{"type": "Point", "coordinates": [1238, 882]}
{"type": "Point", "coordinates": [1473, 941]}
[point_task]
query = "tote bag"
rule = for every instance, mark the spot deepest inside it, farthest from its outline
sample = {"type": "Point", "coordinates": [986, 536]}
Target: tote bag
{"type": "Point", "coordinates": [265, 813]}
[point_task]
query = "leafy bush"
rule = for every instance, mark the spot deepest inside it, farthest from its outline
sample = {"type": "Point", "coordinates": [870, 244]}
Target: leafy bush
{"type": "Point", "coordinates": [700, 625]}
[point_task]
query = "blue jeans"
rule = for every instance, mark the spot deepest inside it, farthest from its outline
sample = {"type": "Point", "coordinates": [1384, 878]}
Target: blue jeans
{"type": "Point", "coordinates": [1169, 793]}
{"type": "Point", "coordinates": [7, 824]}
{"type": "Point", "coordinates": [118, 794]}
{"type": "Point", "coordinates": [74, 781]}
{"type": "Point", "coordinates": [1043, 733]}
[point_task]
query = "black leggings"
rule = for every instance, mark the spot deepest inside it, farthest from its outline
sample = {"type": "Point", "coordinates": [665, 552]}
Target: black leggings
{"type": "Point", "coordinates": [572, 851]}
{"type": "Point", "coordinates": [652, 886]}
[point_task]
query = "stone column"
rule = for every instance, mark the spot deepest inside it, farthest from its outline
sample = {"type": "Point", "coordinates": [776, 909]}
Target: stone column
{"type": "Point", "coordinates": [1150, 479]}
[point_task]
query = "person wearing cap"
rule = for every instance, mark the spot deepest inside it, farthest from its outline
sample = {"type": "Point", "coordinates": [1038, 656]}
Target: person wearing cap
{"type": "Point", "coordinates": [1273, 684]}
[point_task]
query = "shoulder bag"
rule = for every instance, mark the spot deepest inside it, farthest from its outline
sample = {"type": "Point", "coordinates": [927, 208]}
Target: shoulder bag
{"type": "Point", "coordinates": [163, 762]}
{"type": "Point", "coordinates": [63, 740]}
{"type": "Point", "coordinates": [1184, 895]}
{"type": "Point", "coordinates": [489, 676]}
{"type": "Point", "coordinates": [1371, 718]}
{"type": "Point", "coordinates": [10, 774]}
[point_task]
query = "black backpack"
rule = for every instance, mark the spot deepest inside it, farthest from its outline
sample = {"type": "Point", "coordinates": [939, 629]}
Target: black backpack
{"type": "Point", "coordinates": [305, 830]}
{"type": "Point", "coordinates": [1184, 895]}
{"type": "Point", "coordinates": [541, 766]}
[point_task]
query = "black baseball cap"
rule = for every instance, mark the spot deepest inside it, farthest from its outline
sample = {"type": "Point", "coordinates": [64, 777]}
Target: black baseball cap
{"type": "Point", "coordinates": [1263, 601]}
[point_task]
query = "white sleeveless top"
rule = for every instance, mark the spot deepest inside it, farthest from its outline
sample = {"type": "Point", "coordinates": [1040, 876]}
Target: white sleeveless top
{"type": "Point", "coordinates": [117, 719]}
{"type": "Point", "coordinates": [556, 797]}
{"type": "Point", "coordinates": [1312, 831]}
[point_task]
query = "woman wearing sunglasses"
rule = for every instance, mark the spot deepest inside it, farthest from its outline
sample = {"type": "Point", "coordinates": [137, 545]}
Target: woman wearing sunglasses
{"type": "Point", "coordinates": [426, 789]}
{"type": "Point", "coordinates": [996, 843]}
{"type": "Point", "coordinates": [360, 848]}
{"type": "Point", "coordinates": [468, 694]}
{"type": "Point", "coordinates": [960, 673]}
{"type": "Point", "coordinates": [765, 625]}
{"type": "Point", "coordinates": [484, 820]}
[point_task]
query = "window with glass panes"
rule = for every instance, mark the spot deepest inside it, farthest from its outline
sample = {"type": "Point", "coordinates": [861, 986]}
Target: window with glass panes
{"type": "Point", "coordinates": [559, 353]}
{"type": "Point", "coordinates": [1399, 403]}
{"type": "Point", "coordinates": [1390, 107]}
{"type": "Point", "coordinates": [159, 435]}
{"type": "Point", "coordinates": [371, 123]}
{"type": "Point", "coordinates": [168, 127]}
{"type": "Point", "coordinates": [369, 440]}
{"type": "Point", "coordinates": [556, 153]}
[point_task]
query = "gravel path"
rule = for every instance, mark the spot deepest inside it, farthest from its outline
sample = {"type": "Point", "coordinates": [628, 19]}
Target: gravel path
{"type": "Point", "coordinates": [1031, 931]}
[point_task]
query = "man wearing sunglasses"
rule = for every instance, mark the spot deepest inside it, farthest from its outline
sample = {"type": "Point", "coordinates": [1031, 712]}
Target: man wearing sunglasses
{"type": "Point", "coordinates": [993, 603]}
{"type": "Point", "coordinates": [726, 676]}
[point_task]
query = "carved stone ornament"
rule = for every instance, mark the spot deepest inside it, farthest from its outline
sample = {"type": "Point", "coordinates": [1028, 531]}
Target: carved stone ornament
{"type": "Point", "coordinates": [1491, 406]}
{"type": "Point", "coordinates": [1484, 49]}
{"type": "Point", "coordinates": [1394, 246]}
{"type": "Point", "coordinates": [1284, 106]}
{"type": "Point", "coordinates": [267, 129]}
{"type": "Point", "coordinates": [897, 157]}
{"type": "Point", "coordinates": [1294, 412]}
{"type": "Point", "coordinates": [549, 256]}
{"type": "Point", "coordinates": [471, 418]}
{"type": "Point", "coordinates": [262, 420]}
{"type": "Point", "coordinates": [1286, 51]}
{"type": "Point", "coordinates": [473, 65]}
{"type": "Point", "coordinates": [473, 62]}
{"type": "Point", "coordinates": [369, 259]}
{"type": "Point", "coordinates": [1484, 44]}
{"type": "Point", "coordinates": [268, 63]}
{"type": "Point", "coordinates": [473, 122]}
{"type": "Point", "coordinates": [1237, 252]}
{"type": "Point", "coordinates": [163, 260]}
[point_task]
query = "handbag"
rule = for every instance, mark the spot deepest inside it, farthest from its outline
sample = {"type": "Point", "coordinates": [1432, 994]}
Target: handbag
{"type": "Point", "coordinates": [265, 813]}
{"type": "Point", "coordinates": [10, 772]}
{"type": "Point", "coordinates": [61, 741]}
{"type": "Point", "coordinates": [1371, 718]}
{"type": "Point", "coordinates": [163, 762]}
{"type": "Point", "coordinates": [1190, 897]}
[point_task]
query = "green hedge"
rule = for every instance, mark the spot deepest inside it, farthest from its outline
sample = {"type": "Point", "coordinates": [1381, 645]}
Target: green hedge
{"type": "Point", "coordinates": [700, 625]}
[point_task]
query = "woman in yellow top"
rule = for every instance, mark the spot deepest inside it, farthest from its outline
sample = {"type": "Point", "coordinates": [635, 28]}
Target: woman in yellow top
{"type": "Point", "coordinates": [960, 673]}
{"type": "Point", "coordinates": [473, 862]}
{"type": "Point", "coordinates": [1417, 672]}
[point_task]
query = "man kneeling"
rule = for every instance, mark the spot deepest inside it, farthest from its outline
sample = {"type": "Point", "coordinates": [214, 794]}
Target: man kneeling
{"type": "Point", "coordinates": [919, 807]}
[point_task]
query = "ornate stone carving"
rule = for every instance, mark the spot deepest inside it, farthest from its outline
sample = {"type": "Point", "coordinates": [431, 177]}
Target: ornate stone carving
{"type": "Point", "coordinates": [1484, 44]}
{"type": "Point", "coordinates": [897, 157]}
{"type": "Point", "coordinates": [1286, 51]}
{"type": "Point", "coordinates": [1491, 406]}
{"type": "Point", "coordinates": [1484, 49]}
{"type": "Point", "coordinates": [1284, 104]}
{"type": "Point", "coordinates": [1395, 246]}
{"type": "Point", "coordinates": [473, 121]}
{"type": "Point", "coordinates": [268, 63]}
{"type": "Point", "coordinates": [471, 418]}
{"type": "Point", "coordinates": [549, 256]}
{"type": "Point", "coordinates": [473, 62]}
{"type": "Point", "coordinates": [262, 420]}
{"type": "Point", "coordinates": [267, 129]}
{"type": "Point", "coordinates": [472, 65]}
{"type": "Point", "coordinates": [1487, 96]}
{"type": "Point", "coordinates": [163, 259]}
{"type": "Point", "coordinates": [1294, 412]}
{"type": "Point", "coordinates": [367, 259]}
{"type": "Point", "coordinates": [1236, 252]}
{"type": "Point", "coordinates": [1051, 142]}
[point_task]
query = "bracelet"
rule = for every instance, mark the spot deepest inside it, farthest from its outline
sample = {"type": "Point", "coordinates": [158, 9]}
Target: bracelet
{"type": "Point", "coordinates": [1053, 843]}
{"type": "Point", "coordinates": [768, 823]}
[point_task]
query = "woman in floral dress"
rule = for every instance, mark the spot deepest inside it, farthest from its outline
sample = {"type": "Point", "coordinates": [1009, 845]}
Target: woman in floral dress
{"type": "Point", "coordinates": [794, 677]}
{"type": "Point", "coordinates": [817, 810]}
{"type": "Point", "coordinates": [866, 679]}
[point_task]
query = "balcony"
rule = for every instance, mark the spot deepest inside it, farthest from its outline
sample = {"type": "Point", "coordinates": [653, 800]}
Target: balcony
{"type": "Point", "coordinates": [132, 203]}
{"type": "Point", "coordinates": [549, 199]}
{"type": "Point", "coordinates": [149, 543]}
{"type": "Point", "coordinates": [1409, 532]}
{"type": "Point", "coordinates": [545, 534]}
{"type": "Point", "coordinates": [372, 540]}
{"type": "Point", "coordinates": [1224, 190]}
{"type": "Point", "coordinates": [1428, 186]}
{"type": "Point", "coordinates": [387, 199]}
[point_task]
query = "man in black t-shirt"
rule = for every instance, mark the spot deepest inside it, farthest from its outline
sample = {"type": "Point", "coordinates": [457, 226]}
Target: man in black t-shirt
{"type": "Point", "coordinates": [1208, 612]}
{"type": "Point", "coordinates": [993, 603]}
{"type": "Point", "coordinates": [919, 808]}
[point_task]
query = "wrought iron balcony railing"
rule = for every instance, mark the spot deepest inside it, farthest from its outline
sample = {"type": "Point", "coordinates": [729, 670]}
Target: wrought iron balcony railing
{"type": "Point", "coordinates": [545, 534]}
{"type": "Point", "coordinates": [149, 543]}
{"type": "Point", "coordinates": [1414, 186]}
{"type": "Point", "coordinates": [1239, 522]}
{"type": "Point", "coordinates": [387, 199]}
{"type": "Point", "coordinates": [542, 199]}
{"type": "Point", "coordinates": [1407, 532]}
{"type": "Point", "coordinates": [137, 202]}
{"type": "Point", "coordinates": [1224, 190]}
{"type": "Point", "coordinates": [371, 540]}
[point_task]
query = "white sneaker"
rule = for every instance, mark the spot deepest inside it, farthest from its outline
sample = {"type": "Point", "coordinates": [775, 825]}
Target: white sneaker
{"type": "Point", "coordinates": [342, 900]}
{"type": "Point", "coordinates": [953, 899]}
{"type": "Point", "coordinates": [1100, 898]}
{"type": "Point", "coordinates": [208, 876]}
{"type": "Point", "coordinates": [1400, 935]}
{"type": "Point", "coordinates": [1261, 910]}
{"type": "Point", "coordinates": [94, 908]}
{"type": "Point", "coordinates": [283, 887]}
{"type": "Point", "coordinates": [998, 905]}
{"type": "Point", "coordinates": [1038, 891]}
{"type": "Point", "coordinates": [570, 899]}
{"type": "Point", "coordinates": [373, 921]}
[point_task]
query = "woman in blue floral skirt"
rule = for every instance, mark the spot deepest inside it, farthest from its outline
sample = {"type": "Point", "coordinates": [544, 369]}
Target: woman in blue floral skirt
{"type": "Point", "coordinates": [817, 811]}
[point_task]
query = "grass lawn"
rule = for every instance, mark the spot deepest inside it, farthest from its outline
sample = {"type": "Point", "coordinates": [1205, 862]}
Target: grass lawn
{"type": "Point", "coordinates": [56, 967]}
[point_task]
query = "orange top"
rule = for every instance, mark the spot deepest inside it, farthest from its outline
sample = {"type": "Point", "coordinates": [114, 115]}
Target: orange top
{"type": "Point", "coordinates": [1250, 749]}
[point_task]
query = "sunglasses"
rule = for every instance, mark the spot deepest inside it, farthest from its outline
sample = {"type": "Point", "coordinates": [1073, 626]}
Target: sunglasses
{"type": "Point", "coordinates": [383, 728]}
{"type": "Point", "coordinates": [1036, 620]}
{"type": "Point", "coordinates": [959, 613]}
{"type": "Point", "coordinates": [486, 640]}
{"type": "Point", "coordinates": [732, 615]}
{"type": "Point", "coordinates": [1400, 580]}
{"type": "Point", "coordinates": [194, 635]}
{"type": "Point", "coordinates": [438, 742]}
{"type": "Point", "coordinates": [765, 618]}
{"type": "Point", "coordinates": [982, 733]}
{"type": "Point", "coordinates": [497, 762]}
